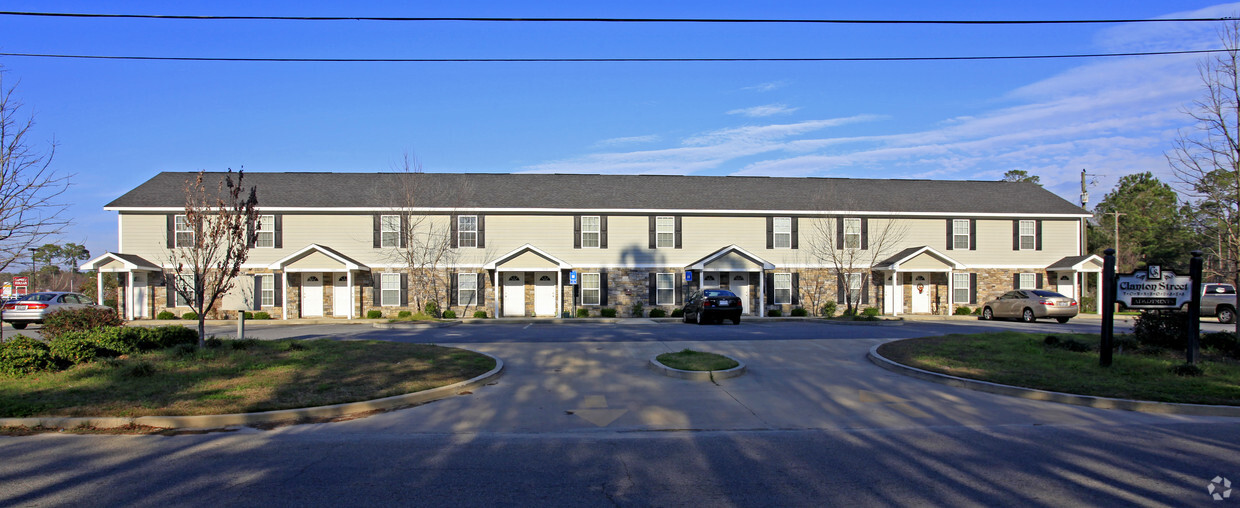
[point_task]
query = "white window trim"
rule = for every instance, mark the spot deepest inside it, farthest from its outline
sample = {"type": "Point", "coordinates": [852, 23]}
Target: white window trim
{"type": "Point", "coordinates": [266, 285]}
{"type": "Point", "coordinates": [775, 281]}
{"type": "Point", "coordinates": [659, 289]}
{"type": "Point", "coordinates": [782, 230]}
{"type": "Point", "coordinates": [1032, 235]}
{"type": "Point", "coordinates": [665, 229]}
{"type": "Point", "coordinates": [857, 233]}
{"type": "Point", "coordinates": [461, 289]}
{"type": "Point", "coordinates": [184, 281]}
{"type": "Point", "coordinates": [266, 224]}
{"type": "Point", "coordinates": [956, 234]}
{"type": "Point", "coordinates": [384, 231]}
{"type": "Point", "coordinates": [180, 226]}
{"type": "Point", "coordinates": [597, 232]}
{"type": "Point", "coordinates": [598, 289]}
{"type": "Point", "coordinates": [383, 289]}
{"type": "Point", "coordinates": [461, 231]}
{"type": "Point", "coordinates": [957, 287]}
{"type": "Point", "coordinates": [1033, 281]}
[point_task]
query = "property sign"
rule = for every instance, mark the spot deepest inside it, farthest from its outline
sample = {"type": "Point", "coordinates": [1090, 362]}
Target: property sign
{"type": "Point", "coordinates": [20, 281]}
{"type": "Point", "coordinates": [1153, 288]}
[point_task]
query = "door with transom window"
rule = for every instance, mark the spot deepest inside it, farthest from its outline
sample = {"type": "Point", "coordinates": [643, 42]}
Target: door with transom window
{"type": "Point", "coordinates": [514, 294]}
{"type": "Point", "coordinates": [311, 295]}
{"type": "Point", "coordinates": [340, 296]}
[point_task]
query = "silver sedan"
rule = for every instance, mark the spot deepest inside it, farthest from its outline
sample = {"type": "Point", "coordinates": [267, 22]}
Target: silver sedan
{"type": "Point", "coordinates": [33, 307]}
{"type": "Point", "coordinates": [1031, 304]}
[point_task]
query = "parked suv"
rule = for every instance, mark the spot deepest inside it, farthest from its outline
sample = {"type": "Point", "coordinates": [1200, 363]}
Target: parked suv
{"type": "Point", "coordinates": [1218, 300]}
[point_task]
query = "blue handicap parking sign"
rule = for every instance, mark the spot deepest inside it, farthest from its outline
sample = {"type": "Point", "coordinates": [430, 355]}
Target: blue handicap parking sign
{"type": "Point", "coordinates": [689, 276]}
{"type": "Point", "coordinates": [572, 277]}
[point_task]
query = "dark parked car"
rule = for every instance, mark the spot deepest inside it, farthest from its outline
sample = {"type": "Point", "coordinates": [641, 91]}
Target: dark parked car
{"type": "Point", "coordinates": [713, 305]}
{"type": "Point", "coordinates": [33, 307]}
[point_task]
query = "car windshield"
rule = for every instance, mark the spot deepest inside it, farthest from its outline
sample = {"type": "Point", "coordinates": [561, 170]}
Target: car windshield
{"type": "Point", "coordinates": [1046, 294]}
{"type": "Point", "coordinates": [714, 293]}
{"type": "Point", "coordinates": [39, 297]}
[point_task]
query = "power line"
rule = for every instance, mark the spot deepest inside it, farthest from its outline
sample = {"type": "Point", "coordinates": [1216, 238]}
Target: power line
{"type": "Point", "coordinates": [611, 60]}
{"type": "Point", "coordinates": [614, 20]}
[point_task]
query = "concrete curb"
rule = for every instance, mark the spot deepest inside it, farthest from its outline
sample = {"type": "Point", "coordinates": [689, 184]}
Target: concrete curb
{"type": "Point", "coordinates": [279, 416]}
{"type": "Point", "coordinates": [699, 375]}
{"type": "Point", "coordinates": [1063, 398]}
{"type": "Point", "coordinates": [881, 322]}
{"type": "Point", "coordinates": [415, 324]}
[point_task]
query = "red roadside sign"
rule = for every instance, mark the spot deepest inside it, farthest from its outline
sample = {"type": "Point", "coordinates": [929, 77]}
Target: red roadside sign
{"type": "Point", "coordinates": [20, 281]}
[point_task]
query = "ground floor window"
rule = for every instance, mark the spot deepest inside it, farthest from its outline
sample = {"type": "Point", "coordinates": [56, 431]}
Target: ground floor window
{"type": "Point", "coordinates": [590, 290]}
{"type": "Point", "coordinates": [1028, 281]}
{"type": "Point", "coordinates": [783, 288]}
{"type": "Point", "coordinates": [267, 290]}
{"type": "Point", "coordinates": [960, 287]}
{"type": "Point", "coordinates": [665, 289]}
{"type": "Point", "coordinates": [185, 285]}
{"type": "Point", "coordinates": [467, 288]}
{"type": "Point", "coordinates": [390, 289]}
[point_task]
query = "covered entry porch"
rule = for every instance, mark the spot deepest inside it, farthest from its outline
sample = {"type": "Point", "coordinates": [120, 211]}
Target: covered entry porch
{"type": "Point", "coordinates": [911, 281]}
{"type": "Point", "coordinates": [137, 279]}
{"type": "Point", "coordinates": [738, 271]}
{"type": "Point", "coordinates": [1070, 276]}
{"type": "Point", "coordinates": [311, 271]}
{"type": "Point", "coordinates": [528, 282]}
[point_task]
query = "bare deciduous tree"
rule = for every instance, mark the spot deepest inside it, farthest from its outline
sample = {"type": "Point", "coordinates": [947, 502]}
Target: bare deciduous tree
{"type": "Point", "coordinates": [29, 188]}
{"type": "Point", "coordinates": [851, 249]}
{"type": "Point", "coordinates": [221, 215]}
{"type": "Point", "coordinates": [1206, 156]}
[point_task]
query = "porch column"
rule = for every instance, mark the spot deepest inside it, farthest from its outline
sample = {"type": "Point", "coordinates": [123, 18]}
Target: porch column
{"type": "Point", "coordinates": [129, 298]}
{"type": "Point", "coordinates": [1098, 295]}
{"type": "Point", "coordinates": [349, 283]}
{"type": "Point", "coordinates": [761, 292]}
{"type": "Point", "coordinates": [284, 294]}
{"type": "Point", "coordinates": [495, 296]}
{"type": "Point", "coordinates": [896, 306]}
{"type": "Point", "coordinates": [99, 286]}
{"type": "Point", "coordinates": [559, 290]}
{"type": "Point", "coordinates": [951, 294]}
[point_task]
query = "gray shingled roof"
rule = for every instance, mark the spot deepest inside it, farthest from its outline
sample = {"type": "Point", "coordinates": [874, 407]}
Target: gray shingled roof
{"type": "Point", "coordinates": [635, 192]}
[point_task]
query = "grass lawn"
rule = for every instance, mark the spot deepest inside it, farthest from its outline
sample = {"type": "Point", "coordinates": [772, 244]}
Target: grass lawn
{"type": "Point", "coordinates": [239, 377]}
{"type": "Point", "coordinates": [688, 359]}
{"type": "Point", "coordinates": [1021, 359]}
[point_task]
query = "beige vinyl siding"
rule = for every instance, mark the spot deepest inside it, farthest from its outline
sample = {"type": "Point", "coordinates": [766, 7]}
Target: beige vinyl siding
{"type": "Point", "coordinates": [529, 260]}
{"type": "Point", "coordinates": [924, 261]}
{"type": "Point", "coordinates": [994, 244]}
{"type": "Point", "coordinates": [112, 266]}
{"type": "Point", "coordinates": [348, 234]}
{"type": "Point", "coordinates": [732, 262]}
{"type": "Point", "coordinates": [315, 261]}
{"type": "Point", "coordinates": [145, 235]}
{"type": "Point", "coordinates": [913, 233]}
{"type": "Point", "coordinates": [704, 235]}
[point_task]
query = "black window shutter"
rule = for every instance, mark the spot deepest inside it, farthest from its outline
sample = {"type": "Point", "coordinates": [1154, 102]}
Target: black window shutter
{"type": "Point", "coordinates": [452, 286]}
{"type": "Point", "coordinates": [795, 234]}
{"type": "Point", "coordinates": [839, 289]}
{"type": "Point", "coordinates": [170, 286]}
{"type": "Point", "coordinates": [677, 276]}
{"type": "Point", "coordinates": [404, 225]}
{"type": "Point", "coordinates": [576, 231]}
{"type": "Point", "coordinates": [257, 284]}
{"type": "Point", "coordinates": [171, 239]}
{"type": "Point", "coordinates": [796, 288]}
{"type": "Point", "coordinates": [972, 234]}
{"type": "Point", "coordinates": [770, 232]}
{"type": "Point", "coordinates": [453, 228]}
{"type": "Point", "coordinates": [279, 234]}
{"type": "Point", "coordinates": [1037, 235]}
{"type": "Point", "coordinates": [654, 289]}
{"type": "Point", "coordinates": [251, 235]}
{"type": "Point", "coordinates": [951, 234]}
{"type": "Point", "coordinates": [676, 235]}
{"type": "Point", "coordinates": [865, 292]}
{"type": "Point", "coordinates": [376, 289]}
{"type": "Point", "coordinates": [482, 231]}
{"type": "Point", "coordinates": [653, 231]}
{"type": "Point", "coordinates": [378, 231]}
{"type": "Point", "coordinates": [1016, 235]}
{"type": "Point", "coordinates": [770, 288]}
{"type": "Point", "coordinates": [602, 286]}
{"type": "Point", "coordinates": [275, 279]}
{"type": "Point", "coordinates": [1038, 283]}
{"type": "Point", "coordinates": [865, 233]}
{"type": "Point", "coordinates": [404, 289]}
{"type": "Point", "coordinates": [602, 235]}
{"type": "Point", "coordinates": [839, 233]}
{"type": "Point", "coordinates": [973, 288]}
{"type": "Point", "coordinates": [1016, 281]}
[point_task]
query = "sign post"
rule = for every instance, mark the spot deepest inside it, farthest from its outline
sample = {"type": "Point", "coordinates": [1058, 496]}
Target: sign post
{"type": "Point", "coordinates": [1108, 308]}
{"type": "Point", "coordinates": [1194, 308]}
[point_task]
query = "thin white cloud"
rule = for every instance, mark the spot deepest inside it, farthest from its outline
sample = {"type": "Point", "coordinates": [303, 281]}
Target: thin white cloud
{"type": "Point", "coordinates": [762, 111]}
{"type": "Point", "coordinates": [767, 87]}
{"type": "Point", "coordinates": [631, 140]}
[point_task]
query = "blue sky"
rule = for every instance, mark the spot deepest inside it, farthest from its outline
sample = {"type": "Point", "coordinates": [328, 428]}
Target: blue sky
{"type": "Point", "coordinates": [117, 123]}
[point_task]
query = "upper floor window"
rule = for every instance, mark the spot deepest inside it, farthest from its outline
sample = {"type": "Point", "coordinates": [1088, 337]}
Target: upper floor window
{"type": "Point", "coordinates": [467, 230]}
{"type": "Point", "coordinates": [184, 234]}
{"type": "Point", "coordinates": [665, 231]}
{"type": "Point", "coordinates": [783, 232]}
{"type": "Point", "coordinates": [852, 233]}
{"type": "Point", "coordinates": [590, 231]}
{"type": "Point", "coordinates": [960, 234]}
{"type": "Point", "coordinates": [1028, 235]}
{"type": "Point", "coordinates": [389, 231]}
{"type": "Point", "coordinates": [265, 231]}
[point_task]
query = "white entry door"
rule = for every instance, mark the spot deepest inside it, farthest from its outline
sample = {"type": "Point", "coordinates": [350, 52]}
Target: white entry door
{"type": "Point", "coordinates": [920, 293]}
{"type": "Point", "coordinates": [740, 286]}
{"type": "Point", "coordinates": [139, 296]}
{"type": "Point", "coordinates": [892, 295]}
{"type": "Point", "coordinates": [710, 280]}
{"type": "Point", "coordinates": [311, 295]}
{"type": "Point", "coordinates": [514, 294]}
{"type": "Point", "coordinates": [1065, 286]}
{"type": "Point", "coordinates": [340, 296]}
{"type": "Point", "coordinates": [544, 294]}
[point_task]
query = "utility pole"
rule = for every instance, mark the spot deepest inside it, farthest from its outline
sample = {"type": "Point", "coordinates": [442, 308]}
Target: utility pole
{"type": "Point", "coordinates": [1084, 191]}
{"type": "Point", "coordinates": [1116, 214]}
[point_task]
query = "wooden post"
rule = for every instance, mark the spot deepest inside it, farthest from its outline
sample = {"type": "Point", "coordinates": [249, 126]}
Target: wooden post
{"type": "Point", "coordinates": [1108, 308]}
{"type": "Point", "coordinates": [1194, 308]}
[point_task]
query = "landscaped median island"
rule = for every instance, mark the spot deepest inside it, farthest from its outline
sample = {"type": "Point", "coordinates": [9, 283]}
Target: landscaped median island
{"type": "Point", "coordinates": [237, 377]}
{"type": "Point", "coordinates": [1068, 363]}
{"type": "Point", "coordinates": [696, 365]}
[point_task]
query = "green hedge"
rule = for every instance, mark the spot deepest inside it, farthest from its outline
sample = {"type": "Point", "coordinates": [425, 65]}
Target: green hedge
{"type": "Point", "coordinates": [775, 313]}
{"type": "Point", "coordinates": [608, 313]}
{"type": "Point", "coordinates": [799, 312]}
{"type": "Point", "coordinates": [374, 314]}
{"type": "Point", "coordinates": [190, 316]}
{"type": "Point", "coordinates": [25, 355]}
{"type": "Point", "coordinates": [60, 322]}
{"type": "Point", "coordinates": [165, 315]}
{"type": "Point", "coordinates": [449, 314]}
{"type": "Point", "coordinates": [657, 313]}
{"type": "Point", "coordinates": [480, 314]}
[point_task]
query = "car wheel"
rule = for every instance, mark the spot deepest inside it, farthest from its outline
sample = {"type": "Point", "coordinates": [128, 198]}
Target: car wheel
{"type": "Point", "coordinates": [988, 314]}
{"type": "Point", "coordinates": [1062, 320]}
{"type": "Point", "coordinates": [1226, 315]}
{"type": "Point", "coordinates": [19, 325]}
{"type": "Point", "coordinates": [736, 320]}
{"type": "Point", "coordinates": [700, 321]}
{"type": "Point", "coordinates": [1027, 316]}
{"type": "Point", "coordinates": [684, 318]}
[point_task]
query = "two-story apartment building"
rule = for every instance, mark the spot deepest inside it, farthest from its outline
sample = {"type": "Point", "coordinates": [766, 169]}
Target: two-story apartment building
{"type": "Point", "coordinates": [342, 244]}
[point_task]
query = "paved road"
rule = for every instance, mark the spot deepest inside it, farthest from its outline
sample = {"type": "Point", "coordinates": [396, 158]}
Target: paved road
{"type": "Point", "coordinates": [578, 419]}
